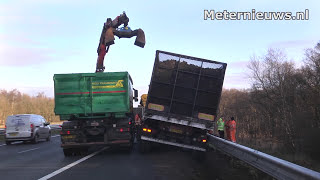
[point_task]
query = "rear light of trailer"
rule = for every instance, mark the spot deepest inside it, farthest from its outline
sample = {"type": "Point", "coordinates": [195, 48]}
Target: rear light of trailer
{"type": "Point", "coordinates": [129, 123]}
{"type": "Point", "coordinates": [121, 130]}
{"type": "Point", "coordinates": [68, 132]}
{"type": "Point", "coordinates": [147, 130]}
{"type": "Point", "coordinates": [204, 140]}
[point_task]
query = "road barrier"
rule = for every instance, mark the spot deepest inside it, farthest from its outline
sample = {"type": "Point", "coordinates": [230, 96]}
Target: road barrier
{"type": "Point", "coordinates": [273, 166]}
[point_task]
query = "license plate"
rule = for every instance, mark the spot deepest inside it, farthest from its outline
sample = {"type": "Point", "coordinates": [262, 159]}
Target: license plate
{"type": "Point", "coordinates": [69, 137]}
{"type": "Point", "coordinates": [13, 134]}
{"type": "Point", "coordinates": [94, 124]}
{"type": "Point", "coordinates": [175, 130]}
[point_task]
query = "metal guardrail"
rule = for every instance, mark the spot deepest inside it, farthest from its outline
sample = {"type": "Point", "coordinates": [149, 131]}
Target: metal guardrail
{"type": "Point", "coordinates": [273, 166]}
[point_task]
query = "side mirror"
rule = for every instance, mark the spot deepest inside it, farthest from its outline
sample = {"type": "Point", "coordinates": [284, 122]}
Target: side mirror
{"type": "Point", "coordinates": [135, 95]}
{"type": "Point", "coordinates": [46, 123]}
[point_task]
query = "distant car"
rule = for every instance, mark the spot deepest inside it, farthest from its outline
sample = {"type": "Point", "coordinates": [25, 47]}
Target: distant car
{"type": "Point", "coordinates": [26, 127]}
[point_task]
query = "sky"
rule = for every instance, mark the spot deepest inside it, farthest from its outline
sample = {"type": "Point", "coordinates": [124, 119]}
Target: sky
{"type": "Point", "coordinates": [41, 38]}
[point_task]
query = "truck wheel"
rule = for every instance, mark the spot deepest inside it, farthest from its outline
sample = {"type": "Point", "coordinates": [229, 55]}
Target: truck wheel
{"type": "Point", "coordinates": [67, 152]}
{"type": "Point", "coordinates": [84, 151]}
{"type": "Point", "coordinates": [49, 137]}
{"type": "Point", "coordinates": [35, 139]}
{"type": "Point", "coordinates": [8, 142]}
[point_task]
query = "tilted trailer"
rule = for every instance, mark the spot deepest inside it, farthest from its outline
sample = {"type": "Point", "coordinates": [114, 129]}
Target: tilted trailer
{"type": "Point", "coordinates": [182, 103]}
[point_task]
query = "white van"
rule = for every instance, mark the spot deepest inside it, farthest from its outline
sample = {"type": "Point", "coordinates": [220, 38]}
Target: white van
{"type": "Point", "coordinates": [26, 127]}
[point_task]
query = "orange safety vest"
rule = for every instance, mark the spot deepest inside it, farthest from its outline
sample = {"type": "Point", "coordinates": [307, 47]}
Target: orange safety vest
{"type": "Point", "coordinates": [228, 130]}
{"type": "Point", "coordinates": [232, 127]}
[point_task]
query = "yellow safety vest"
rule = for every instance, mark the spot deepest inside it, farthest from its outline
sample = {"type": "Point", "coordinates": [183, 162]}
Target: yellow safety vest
{"type": "Point", "coordinates": [220, 123]}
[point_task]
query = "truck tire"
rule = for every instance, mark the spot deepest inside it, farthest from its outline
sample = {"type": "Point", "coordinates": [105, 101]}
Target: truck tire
{"type": "Point", "coordinates": [67, 152]}
{"type": "Point", "coordinates": [84, 151]}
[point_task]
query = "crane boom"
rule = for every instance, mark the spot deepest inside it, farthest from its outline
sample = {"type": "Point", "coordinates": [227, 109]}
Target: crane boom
{"type": "Point", "coordinates": [111, 28]}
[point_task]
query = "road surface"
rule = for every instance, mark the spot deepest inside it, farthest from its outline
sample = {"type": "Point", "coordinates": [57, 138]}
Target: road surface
{"type": "Point", "coordinates": [35, 161]}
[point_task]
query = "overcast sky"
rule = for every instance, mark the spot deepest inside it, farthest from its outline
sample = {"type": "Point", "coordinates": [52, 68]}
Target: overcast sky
{"type": "Point", "coordinates": [40, 38]}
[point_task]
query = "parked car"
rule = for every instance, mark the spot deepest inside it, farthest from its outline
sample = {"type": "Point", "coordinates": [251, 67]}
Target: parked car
{"type": "Point", "coordinates": [26, 127]}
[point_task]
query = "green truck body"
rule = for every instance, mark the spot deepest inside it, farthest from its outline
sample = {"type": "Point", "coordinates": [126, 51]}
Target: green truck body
{"type": "Point", "coordinates": [92, 94]}
{"type": "Point", "coordinates": [98, 108]}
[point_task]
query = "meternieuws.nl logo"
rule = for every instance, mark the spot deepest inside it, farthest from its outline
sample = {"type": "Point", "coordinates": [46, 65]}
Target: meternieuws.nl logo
{"type": "Point", "coordinates": [253, 15]}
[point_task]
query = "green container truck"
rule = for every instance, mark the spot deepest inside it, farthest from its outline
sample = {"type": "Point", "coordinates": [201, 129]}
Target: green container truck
{"type": "Point", "coordinates": [97, 107]}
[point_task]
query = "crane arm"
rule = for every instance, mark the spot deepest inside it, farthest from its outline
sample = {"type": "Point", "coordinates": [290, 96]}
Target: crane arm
{"type": "Point", "coordinates": [110, 28]}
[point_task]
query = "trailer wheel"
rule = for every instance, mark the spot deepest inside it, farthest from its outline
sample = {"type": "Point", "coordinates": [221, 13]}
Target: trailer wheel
{"type": "Point", "coordinates": [67, 152]}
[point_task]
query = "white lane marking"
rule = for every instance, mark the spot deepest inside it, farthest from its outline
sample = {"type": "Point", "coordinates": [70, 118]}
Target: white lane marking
{"type": "Point", "coordinates": [71, 165]}
{"type": "Point", "coordinates": [55, 136]}
{"type": "Point", "coordinates": [2, 145]}
{"type": "Point", "coordinates": [28, 150]}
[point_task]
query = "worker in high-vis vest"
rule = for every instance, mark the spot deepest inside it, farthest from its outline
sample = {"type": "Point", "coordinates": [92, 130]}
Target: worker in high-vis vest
{"type": "Point", "coordinates": [232, 129]}
{"type": "Point", "coordinates": [220, 124]}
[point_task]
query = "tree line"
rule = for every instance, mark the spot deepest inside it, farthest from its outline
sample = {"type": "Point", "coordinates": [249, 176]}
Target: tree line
{"type": "Point", "coordinates": [14, 102]}
{"type": "Point", "coordinates": [283, 102]}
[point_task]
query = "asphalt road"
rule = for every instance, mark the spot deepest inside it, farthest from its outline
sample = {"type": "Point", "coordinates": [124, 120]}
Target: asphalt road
{"type": "Point", "coordinates": [46, 159]}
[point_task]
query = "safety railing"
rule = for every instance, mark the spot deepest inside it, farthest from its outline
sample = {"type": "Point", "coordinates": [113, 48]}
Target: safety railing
{"type": "Point", "coordinates": [273, 166]}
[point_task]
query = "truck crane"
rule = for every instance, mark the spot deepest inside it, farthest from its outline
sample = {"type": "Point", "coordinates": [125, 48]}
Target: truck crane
{"type": "Point", "coordinates": [97, 108]}
{"type": "Point", "coordinates": [111, 28]}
